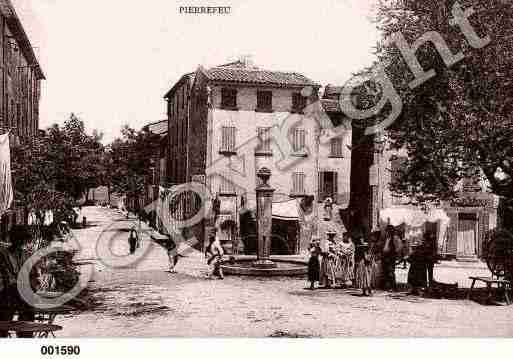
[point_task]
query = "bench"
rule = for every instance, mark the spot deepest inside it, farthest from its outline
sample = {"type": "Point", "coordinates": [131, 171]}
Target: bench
{"type": "Point", "coordinates": [489, 281]}
{"type": "Point", "coordinates": [37, 330]}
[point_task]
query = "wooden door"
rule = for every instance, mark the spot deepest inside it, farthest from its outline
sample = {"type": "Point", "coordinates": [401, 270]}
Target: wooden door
{"type": "Point", "coordinates": [467, 236]}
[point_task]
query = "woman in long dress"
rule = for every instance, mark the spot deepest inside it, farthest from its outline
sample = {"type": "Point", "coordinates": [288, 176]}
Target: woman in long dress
{"type": "Point", "coordinates": [313, 264]}
{"type": "Point", "coordinates": [328, 262]}
{"type": "Point", "coordinates": [344, 268]}
{"type": "Point", "coordinates": [363, 275]}
{"type": "Point", "coordinates": [375, 251]}
{"type": "Point", "coordinates": [389, 259]}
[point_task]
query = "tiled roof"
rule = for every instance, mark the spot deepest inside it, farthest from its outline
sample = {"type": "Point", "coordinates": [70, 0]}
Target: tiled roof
{"type": "Point", "coordinates": [159, 128]}
{"type": "Point", "coordinates": [190, 77]}
{"type": "Point", "coordinates": [257, 76]}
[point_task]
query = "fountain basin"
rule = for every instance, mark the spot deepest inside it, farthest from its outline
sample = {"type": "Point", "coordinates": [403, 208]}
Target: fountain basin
{"type": "Point", "coordinates": [284, 267]}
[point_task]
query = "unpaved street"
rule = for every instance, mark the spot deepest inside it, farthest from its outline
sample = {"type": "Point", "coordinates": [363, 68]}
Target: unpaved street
{"type": "Point", "coordinates": [148, 301]}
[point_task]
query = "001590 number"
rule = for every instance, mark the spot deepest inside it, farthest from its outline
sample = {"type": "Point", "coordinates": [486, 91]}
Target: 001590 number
{"type": "Point", "coordinates": [60, 350]}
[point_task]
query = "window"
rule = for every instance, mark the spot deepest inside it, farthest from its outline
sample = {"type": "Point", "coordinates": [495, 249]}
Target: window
{"type": "Point", "coordinates": [336, 147]}
{"type": "Point", "coordinates": [298, 183]}
{"type": "Point", "coordinates": [328, 185]}
{"type": "Point", "coordinates": [298, 140]}
{"type": "Point", "coordinates": [298, 102]}
{"type": "Point", "coordinates": [264, 140]}
{"type": "Point", "coordinates": [264, 100]}
{"type": "Point", "coordinates": [228, 140]}
{"type": "Point", "coordinates": [228, 98]}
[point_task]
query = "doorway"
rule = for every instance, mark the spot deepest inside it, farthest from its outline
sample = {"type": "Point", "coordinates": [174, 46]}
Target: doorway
{"type": "Point", "coordinates": [467, 235]}
{"type": "Point", "coordinates": [328, 185]}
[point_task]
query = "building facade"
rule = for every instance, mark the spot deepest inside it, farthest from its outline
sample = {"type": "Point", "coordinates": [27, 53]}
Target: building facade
{"type": "Point", "coordinates": [157, 163]}
{"type": "Point", "coordinates": [20, 90]}
{"type": "Point", "coordinates": [242, 118]}
{"type": "Point", "coordinates": [21, 76]}
{"type": "Point", "coordinates": [178, 110]}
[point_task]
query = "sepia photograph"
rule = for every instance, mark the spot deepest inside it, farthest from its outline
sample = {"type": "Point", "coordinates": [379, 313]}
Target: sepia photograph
{"type": "Point", "coordinates": [255, 169]}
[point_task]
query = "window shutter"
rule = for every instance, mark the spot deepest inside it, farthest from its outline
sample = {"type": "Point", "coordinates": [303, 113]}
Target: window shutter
{"type": "Point", "coordinates": [335, 187]}
{"type": "Point", "coordinates": [232, 139]}
{"type": "Point", "coordinates": [320, 188]}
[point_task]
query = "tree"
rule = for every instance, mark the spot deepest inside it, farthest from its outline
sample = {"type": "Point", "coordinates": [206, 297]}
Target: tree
{"type": "Point", "coordinates": [81, 153]}
{"type": "Point", "coordinates": [131, 159]}
{"type": "Point", "coordinates": [55, 170]}
{"type": "Point", "coordinates": [459, 122]}
{"type": "Point", "coordinates": [35, 181]}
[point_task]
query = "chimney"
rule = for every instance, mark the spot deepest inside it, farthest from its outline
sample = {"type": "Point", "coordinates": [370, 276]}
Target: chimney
{"type": "Point", "coordinates": [247, 60]}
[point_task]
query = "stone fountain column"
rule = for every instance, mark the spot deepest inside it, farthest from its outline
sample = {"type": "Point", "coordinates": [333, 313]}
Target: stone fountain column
{"type": "Point", "coordinates": [264, 199]}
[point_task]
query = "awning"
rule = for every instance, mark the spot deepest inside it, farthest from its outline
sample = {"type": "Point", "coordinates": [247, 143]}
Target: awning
{"type": "Point", "coordinates": [286, 211]}
{"type": "Point", "coordinates": [413, 217]}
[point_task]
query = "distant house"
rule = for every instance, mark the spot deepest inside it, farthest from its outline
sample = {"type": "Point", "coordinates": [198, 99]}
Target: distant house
{"type": "Point", "coordinates": [157, 163]}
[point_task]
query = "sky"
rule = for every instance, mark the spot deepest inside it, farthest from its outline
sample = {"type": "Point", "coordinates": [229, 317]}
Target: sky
{"type": "Point", "coordinates": [111, 61]}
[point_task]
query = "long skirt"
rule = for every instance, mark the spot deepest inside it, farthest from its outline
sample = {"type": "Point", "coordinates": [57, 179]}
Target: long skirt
{"type": "Point", "coordinates": [389, 272]}
{"type": "Point", "coordinates": [417, 275]}
{"type": "Point", "coordinates": [327, 275]}
{"type": "Point", "coordinates": [344, 268]}
{"type": "Point", "coordinates": [363, 275]}
{"type": "Point", "coordinates": [313, 269]}
{"type": "Point", "coordinates": [215, 266]}
{"type": "Point", "coordinates": [377, 273]}
{"type": "Point", "coordinates": [133, 245]}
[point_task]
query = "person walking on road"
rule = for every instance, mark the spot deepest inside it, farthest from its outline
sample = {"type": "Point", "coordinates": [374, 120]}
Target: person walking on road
{"type": "Point", "coordinates": [172, 254]}
{"type": "Point", "coordinates": [389, 259]}
{"type": "Point", "coordinates": [133, 239]}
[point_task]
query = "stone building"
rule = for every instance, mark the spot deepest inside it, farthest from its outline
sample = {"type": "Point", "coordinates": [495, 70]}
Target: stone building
{"type": "Point", "coordinates": [21, 76]}
{"type": "Point", "coordinates": [20, 89]}
{"type": "Point", "coordinates": [158, 162]}
{"type": "Point", "coordinates": [240, 118]}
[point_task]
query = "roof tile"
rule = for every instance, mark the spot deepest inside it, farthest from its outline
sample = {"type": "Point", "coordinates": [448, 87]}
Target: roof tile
{"type": "Point", "coordinates": [258, 76]}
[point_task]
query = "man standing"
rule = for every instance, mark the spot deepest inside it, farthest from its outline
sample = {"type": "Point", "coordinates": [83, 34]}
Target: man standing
{"type": "Point", "coordinates": [430, 244]}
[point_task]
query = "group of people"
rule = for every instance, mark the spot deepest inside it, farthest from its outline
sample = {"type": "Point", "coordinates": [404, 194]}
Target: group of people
{"type": "Point", "coordinates": [344, 263]}
{"type": "Point", "coordinates": [366, 265]}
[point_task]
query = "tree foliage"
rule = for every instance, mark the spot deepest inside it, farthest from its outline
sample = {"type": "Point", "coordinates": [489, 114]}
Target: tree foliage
{"type": "Point", "coordinates": [130, 160]}
{"type": "Point", "coordinates": [54, 170]}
